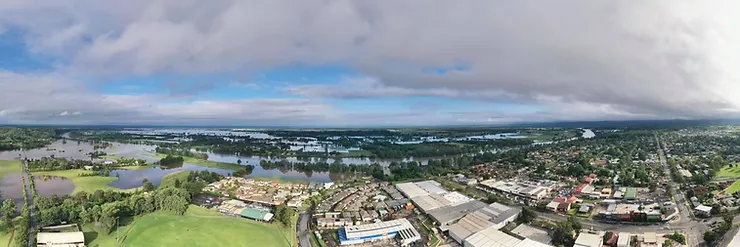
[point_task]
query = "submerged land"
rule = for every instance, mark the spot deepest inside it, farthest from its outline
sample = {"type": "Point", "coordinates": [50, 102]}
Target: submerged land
{"type": "Point", "coordinates": [303, 187]}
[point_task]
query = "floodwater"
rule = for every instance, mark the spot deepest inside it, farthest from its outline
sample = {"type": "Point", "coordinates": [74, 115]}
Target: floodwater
{"type": "Point", "coordinates": [53, 185]}
{"type": "Point", "coordinates": [10, 185]}
{"type": "Point", "coordinates": [587, 133]}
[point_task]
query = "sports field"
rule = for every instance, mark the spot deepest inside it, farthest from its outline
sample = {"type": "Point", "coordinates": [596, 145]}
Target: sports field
{"type": "Point", "coordinates": [198, 227]}
{"type": "Point", "coordinates": [87, 184]}
{"type": "Point", "coordinates": [729, 172]}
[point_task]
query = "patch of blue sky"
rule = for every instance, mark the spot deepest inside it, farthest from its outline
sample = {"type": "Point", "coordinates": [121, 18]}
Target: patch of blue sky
{"type": "Point", "coordinates": [15, 55]}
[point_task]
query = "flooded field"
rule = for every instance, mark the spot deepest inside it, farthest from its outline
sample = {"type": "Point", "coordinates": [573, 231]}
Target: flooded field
{"type": "Point", "coordinates": [10, 185]}
{"type": "Point", "coordinates": [53, 185]}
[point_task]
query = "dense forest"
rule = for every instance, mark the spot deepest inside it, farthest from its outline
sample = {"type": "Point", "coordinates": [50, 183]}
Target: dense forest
{"type": "Point", "coordinates": [27, 138]}
{"type": "Point", "coordinates": [171, 160]}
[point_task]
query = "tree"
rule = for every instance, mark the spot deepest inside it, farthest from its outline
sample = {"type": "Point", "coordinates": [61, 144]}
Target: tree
{"type": "Point", "coordinates": [574, 223]}
{"type": "Point", "coordinates": [709, 237]}
{"type": "Point", "coordinates": [562, 234]}
{"type": "Point", "coordinates": [667, 243]}
{"type": "Point", "coordinates": [148, 186]}
{"type": "Point", "coordinates": [239, 161]}
{"type": "Point", "coordinates": [177, 183]}
{"type": "Point", "coordinates": [526, 216]}
{"type": "Point", "coordinates": [8, 209]}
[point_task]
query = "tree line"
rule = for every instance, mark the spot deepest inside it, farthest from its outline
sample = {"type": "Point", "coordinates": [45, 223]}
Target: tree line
{"type": "Point", "coordinates": [105, 208]}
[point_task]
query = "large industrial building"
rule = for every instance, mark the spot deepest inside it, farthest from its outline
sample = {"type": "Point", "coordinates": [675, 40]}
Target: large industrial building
{"type": "Point", "coordinates": [401, 229]}
{"type": "Point", "coordinates": [429, 196]}
{"type": "Point", "coordinates": [492, 216]}
{"type": "Point", "coordinates": [531, 190]}
{"type": "Point", "coordinates": [492, 237]}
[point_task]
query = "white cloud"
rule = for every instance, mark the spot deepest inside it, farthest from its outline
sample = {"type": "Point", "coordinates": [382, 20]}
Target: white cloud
{"type": "Point", "coordinates": [56, 98]}
{"type": "Point", "coordinates": [662, 58]}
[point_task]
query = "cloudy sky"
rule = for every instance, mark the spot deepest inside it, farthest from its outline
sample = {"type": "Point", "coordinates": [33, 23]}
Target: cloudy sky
{"type": "Point", "coordinates": [362, 63]}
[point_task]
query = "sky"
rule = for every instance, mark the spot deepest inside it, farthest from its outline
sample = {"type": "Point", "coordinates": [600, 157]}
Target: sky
{"type": "Point", "coordinates": [366, 63]}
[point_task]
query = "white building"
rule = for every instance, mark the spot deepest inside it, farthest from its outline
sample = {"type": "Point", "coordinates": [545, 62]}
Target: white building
{"type": "Point", "coordinates": [380, 231]}
{"type": "Point", "coordinates": [624, 239]}
{"type": "Point", "coordinates": [587, 239]}
{"type": "Point", "coordinates": [492, 237]}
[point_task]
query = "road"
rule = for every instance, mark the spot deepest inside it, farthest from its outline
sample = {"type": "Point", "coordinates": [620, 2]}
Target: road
{"type": "Point", "coordinates": [31, 209]}
{"type": "Point", "coordinates": [692, 228]}
{"type": "Point", "coordinates": [303, 230]}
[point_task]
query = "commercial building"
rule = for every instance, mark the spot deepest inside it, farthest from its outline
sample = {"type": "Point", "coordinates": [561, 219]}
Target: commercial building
{"type": "Point", "coordinates": [400, 229]}
{"type": "Point", "coordinates": [533, 233]}
{"type": "Point", "coordinates": [445, 216]}
{"type": "Point", "coordinates": [67, 239]}
{"type": "Point", "coordinates": [587, 239]}
{"type": "Point", "coordinates": [493, 216]}
{"type": "Point", "coordinates": [256, 214]}
{"type": "Point", "coordinates": [632, 212]}
{"type": "Point", "coordinates": [624, 239]}
{"type": "Point", "coordinates": [531, 190]}
{"type": "Point", "coordinates": [491, 237]}
{"type": "Point", "coordinates": [63, 235]}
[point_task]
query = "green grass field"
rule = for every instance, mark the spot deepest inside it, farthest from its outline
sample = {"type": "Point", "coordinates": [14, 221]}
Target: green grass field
{"type": "Point", "coordinates": [733, 188]}
{"type": "Point", "coordinates": [169, 179]}
{"type": "Point", "coordinates": [87, 184]}
{"type": "Point", "coordinates": [9, 166]}
{"type": "Point", "coordinates": [198, 227]}
{"type": "Point", "coordinates": [729, 172]}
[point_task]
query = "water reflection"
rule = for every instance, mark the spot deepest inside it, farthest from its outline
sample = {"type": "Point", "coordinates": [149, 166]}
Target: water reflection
{"type": "Point", "coordinates": [53, 185]}
{"type": "Point", "coordinates": [11, 187]}
{"type": "Point", "coordinates": [128, 179]}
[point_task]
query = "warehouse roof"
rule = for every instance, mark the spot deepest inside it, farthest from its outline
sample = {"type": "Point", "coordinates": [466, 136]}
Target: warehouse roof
{"type": "Point", "coordinates": [531, 243]}
{"type": "Point", "coordinates": [588, 239]}
{"type": "Point", "coordinates": [497, 213]}
{"type": "Point", "coordinates": [532, 233]}
{"type": "Point", "coordinates": [411, 190]}
{"type": "Point", "coordinates": [431, 201]}
{"type": "Point", "coordinates": [432, 187]}
{"type": "Point", "coordinates": [256, 214]}
{"type": "Point", "coordinates": [457, 198]}
{"type": "Point", "coordinates": [450, 213]}
{"type": "Point", "coordinates": [469, 225]}
{"type": "Point", "coordinates": [402, 226]}
{"type": "Point", "coordinates": [61, 238]}
{"type": "Point", "coordinates": [490, 237]}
